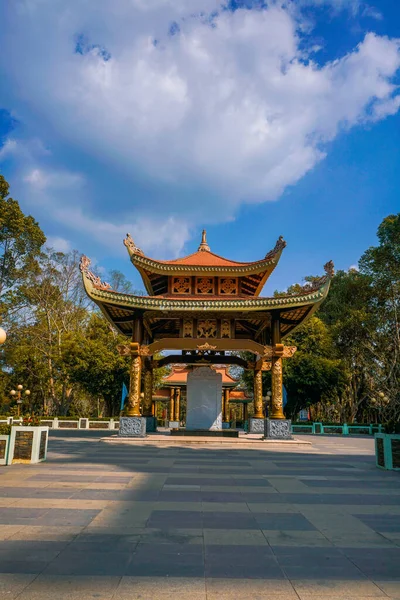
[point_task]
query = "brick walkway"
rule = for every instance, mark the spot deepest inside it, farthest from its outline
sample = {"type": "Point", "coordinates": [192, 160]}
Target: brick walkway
{"type": "Point", "coordinates": [200, 522]}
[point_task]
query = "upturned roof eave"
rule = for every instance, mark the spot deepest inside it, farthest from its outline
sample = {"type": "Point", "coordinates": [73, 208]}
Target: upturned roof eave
{"type": "Point", "coordinates": [107, 297]}
{"type": "Point", "coordinates": [143, 263]}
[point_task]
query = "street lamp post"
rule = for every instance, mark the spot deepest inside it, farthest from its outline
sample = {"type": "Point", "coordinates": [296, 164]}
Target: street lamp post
{"type": "Point", "coordinates": [18, 394]}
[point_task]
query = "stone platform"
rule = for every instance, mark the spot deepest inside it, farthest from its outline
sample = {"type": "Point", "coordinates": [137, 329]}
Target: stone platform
{"type": "Point", "coordinates": [230, 433]}
{"type": "Point", "coordinates": [164, 438]}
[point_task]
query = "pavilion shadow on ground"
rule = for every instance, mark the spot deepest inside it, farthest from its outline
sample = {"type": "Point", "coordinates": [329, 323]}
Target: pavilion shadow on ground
{"type": "Point", "coordinates": [205, 514]}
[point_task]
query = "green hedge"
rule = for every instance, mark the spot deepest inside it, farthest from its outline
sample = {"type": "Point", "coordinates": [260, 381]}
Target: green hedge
{"type": "Point", "coordinates": [5, 429]}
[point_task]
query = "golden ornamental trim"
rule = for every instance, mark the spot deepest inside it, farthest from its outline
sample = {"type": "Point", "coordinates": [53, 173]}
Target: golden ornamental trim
{"type": "Point", "coordinates": [206, 346]}
{"type": "Point", "coordinates": [169, 304]}
{"type": "Point", "coordinates": [124, 350]}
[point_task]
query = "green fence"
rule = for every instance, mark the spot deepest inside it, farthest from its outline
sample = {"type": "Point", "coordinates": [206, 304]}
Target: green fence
{"type": "Point", "coordinates": [387, 451]}
{"type": "Point", "coordinates": [321, 429]}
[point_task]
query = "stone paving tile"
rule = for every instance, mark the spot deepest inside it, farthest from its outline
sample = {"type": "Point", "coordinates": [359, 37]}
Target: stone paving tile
{"type": "Point", "coordinates": [42, 533]}
{"type": "Point", "coordinates": [246, 589]}
{"type": "Point", "coordinates": [72, 562]}
{"type": "Point", "coordinates": [234, 537]}
{"type": "Point", "coordinates": [20, 516]}
{"type": "Point", "coordinates": [64, 516]}
{"type": "Point", "coordinates": [173, 588]}
{"type": "Point", "coordinates": [277, 521]}
{"type": "Point", "coordinates": [11, 585]}
{"type": "Point", "coordinates": [58, 587]}
{"type": "Point", "coordinates": [128, 511]}
{"type": "Point", "coordinates": [297, 539]}
{"type": "Point", "coordinates": [384, 523]}
{"type": "Point", "coordinates": [307, 588]}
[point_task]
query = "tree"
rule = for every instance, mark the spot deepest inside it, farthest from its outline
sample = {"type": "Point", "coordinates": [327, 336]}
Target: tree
{"type": "Point", "coordinates": [93, 361]}
{"type": "Point", "coordinates": [314, 374]}
{"type": "Point", "coordinates": [381, 265]}
{"type": "Point", "coordinates": [21, 240]}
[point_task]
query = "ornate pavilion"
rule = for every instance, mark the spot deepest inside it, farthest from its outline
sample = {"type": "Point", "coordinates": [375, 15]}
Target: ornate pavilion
{"type": "Point", "coordinates": [206, 307]}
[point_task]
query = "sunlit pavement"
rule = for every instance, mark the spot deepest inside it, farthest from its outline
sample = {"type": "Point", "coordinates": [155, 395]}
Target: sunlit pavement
{"type": "Point", "coordinates": [101, 520]}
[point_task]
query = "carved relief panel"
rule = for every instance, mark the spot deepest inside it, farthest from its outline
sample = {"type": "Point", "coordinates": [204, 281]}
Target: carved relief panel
{"type": "Point", "coordinates": [187, 329]}
{"type": "Point", "coordinates": [207, 328]}
{"type": "Point", "coordinates": [181, 285]}
{"type": "Point", "coordinates": [225, 328]}
{"type": "Point", "coordinates": [204, 285]}
{"type": "Point", "coordinates": [228, 286]}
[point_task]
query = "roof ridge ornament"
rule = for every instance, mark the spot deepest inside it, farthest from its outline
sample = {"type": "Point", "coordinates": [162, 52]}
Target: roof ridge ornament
{"type": "Point", "coordinates": [130, 244]}
{"type": "Point", "coordinates": [329, 268]}
{"type": "Point", "coordinates": [204, 247]}
{"type": "Point", "coordinates": [279, 246]}
{"type": "Point", "coordinates": [96, 281]}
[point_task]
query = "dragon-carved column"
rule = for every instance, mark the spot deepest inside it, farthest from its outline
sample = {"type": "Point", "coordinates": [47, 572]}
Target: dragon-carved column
{"type": "Point", "coordinates": [258, 402]}
{"type": "Point", "coordinates": [172, 404]}
{"type": "Point", "coordinates": [147, 389]}
{"type": "Point", "coordinates": [133, 405]}
{"type": "Point", "coordinates": [177, 417]}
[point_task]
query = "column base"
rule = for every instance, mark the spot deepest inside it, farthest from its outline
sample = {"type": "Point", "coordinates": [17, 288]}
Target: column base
{"type": "Point", "coordinates": [132, 427]}
{"type": "Point", "coordinates": [256, 425]}
{"type": "Point", "coordinates": [226, 425]}
{"type": "Point", "coordinates": [174, 424]}
{"type": "Point", "coordinates": [151, 424]}
{"type": "Point", "coordinates": [279, 429]}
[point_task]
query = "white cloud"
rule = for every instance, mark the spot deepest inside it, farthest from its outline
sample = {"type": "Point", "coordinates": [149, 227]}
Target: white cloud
{"type": "Point", "coordinates": [238, 107]}
{"type": "Point", "coordinates": [47, 179]}
{"type": "Point", "coordinates": [163, 236]}
{"type": "Point", "coordinates": [59, 244]}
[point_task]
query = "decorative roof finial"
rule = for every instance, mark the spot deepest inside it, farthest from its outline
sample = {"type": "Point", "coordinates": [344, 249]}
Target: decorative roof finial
{"type": "Point", "coordinates": [130, 244]}
{"type": "Point", "coordinates": [329, 268]}
{"type": "Point", "coordinates": [96, 281]}
{"type": "Point", "coordinates": [204, 247]}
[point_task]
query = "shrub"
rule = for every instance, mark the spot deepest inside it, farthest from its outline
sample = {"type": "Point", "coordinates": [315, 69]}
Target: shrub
{"type": "Point", "coordinates": [5, 429]}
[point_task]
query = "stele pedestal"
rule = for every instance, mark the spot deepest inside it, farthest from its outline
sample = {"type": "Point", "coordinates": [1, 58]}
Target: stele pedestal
{"type": "Point", "coordinates": [132, 427]}
{"type": "Point", "coordinates": [257, 425]}
{"type": "Point", "coordinates": [278, 429]}
{"type": "Point", "coordinates": [204, 392]}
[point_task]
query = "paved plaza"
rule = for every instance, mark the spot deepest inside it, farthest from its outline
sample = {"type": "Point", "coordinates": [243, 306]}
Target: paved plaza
{"type": "Point", "coordinates": [101, 520]}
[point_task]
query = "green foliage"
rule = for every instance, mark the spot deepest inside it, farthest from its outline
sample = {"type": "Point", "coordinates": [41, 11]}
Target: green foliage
{"type": "Point", "coordinates": [313, 373]}
{"type": "Point", "coordinates": [20, 242]}
{"type": "Point", "coordinates": [5, 429]}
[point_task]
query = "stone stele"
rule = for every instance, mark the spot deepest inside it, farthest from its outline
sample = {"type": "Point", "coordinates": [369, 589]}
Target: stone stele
{"type": "Point", "coordinates": [132, 427]}
{"type": "Point", "coordinates": [204, 399]}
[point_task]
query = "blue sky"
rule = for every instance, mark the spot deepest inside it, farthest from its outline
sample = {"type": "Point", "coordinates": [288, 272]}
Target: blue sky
{"type": "Point", "coordinates": [161, 117]}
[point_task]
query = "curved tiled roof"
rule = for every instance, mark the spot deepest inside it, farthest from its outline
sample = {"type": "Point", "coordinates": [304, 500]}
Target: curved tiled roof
{"type": "Point", "coordinates": [202, 261]}
{"type": "Point", "coordinates": [180, 374]}
{"type": "Point", "coordinates": [204, 258]}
